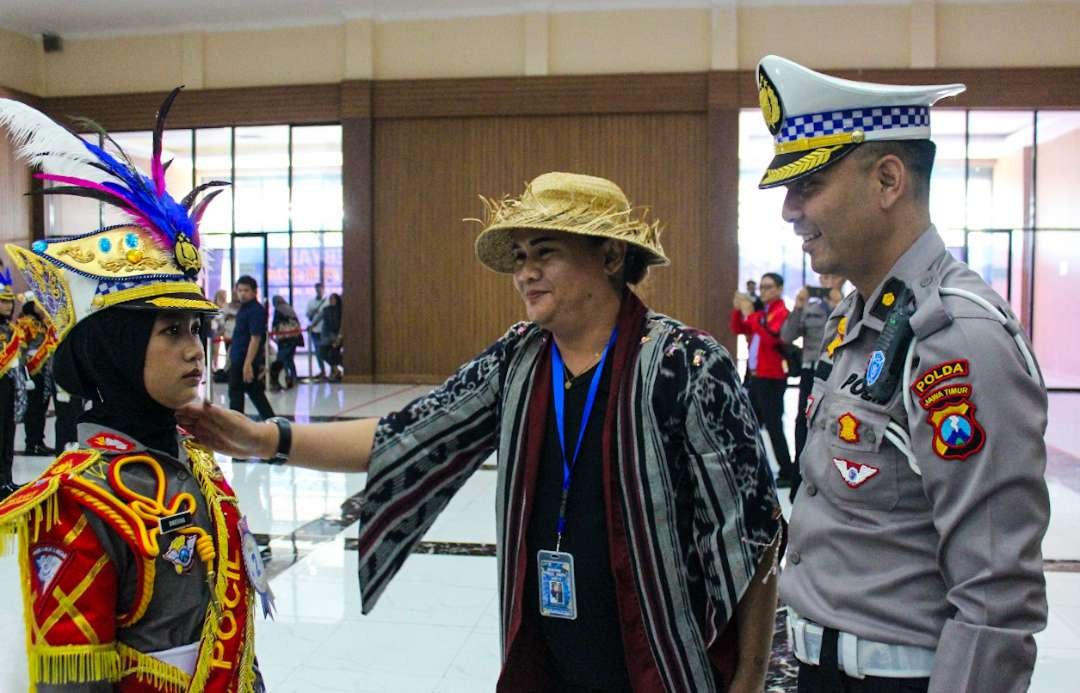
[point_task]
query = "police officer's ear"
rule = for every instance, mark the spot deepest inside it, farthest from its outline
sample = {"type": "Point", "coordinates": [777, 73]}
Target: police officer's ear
{"type": "Point", "coordinates": [892, 180]}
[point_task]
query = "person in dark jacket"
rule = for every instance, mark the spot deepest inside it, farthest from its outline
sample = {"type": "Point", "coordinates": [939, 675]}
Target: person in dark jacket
{"type": "Point", "coordinates": [330, 337]}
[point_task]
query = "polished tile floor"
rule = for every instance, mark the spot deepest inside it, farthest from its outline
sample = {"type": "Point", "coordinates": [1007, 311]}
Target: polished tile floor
{"type": "Point", "coordinates": [436, 627]}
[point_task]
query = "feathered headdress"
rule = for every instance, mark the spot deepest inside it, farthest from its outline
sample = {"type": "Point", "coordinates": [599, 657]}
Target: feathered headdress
{"type": "Point", "coordinates": [152, 262]}
{"type": "Point", "coordinates": [85, 169]}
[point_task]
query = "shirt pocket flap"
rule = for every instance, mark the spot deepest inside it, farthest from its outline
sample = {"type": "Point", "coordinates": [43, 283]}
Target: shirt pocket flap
{"type": "Point", "coordinates": [852, 427]}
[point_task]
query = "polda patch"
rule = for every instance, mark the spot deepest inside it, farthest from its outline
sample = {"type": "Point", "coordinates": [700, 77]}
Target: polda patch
{"type": "Point", "coordinates": [855, 474]}
{"type": "Point", "coordinates": [957, 433]}
{"type": "Point", "coordinates": [940, 373]}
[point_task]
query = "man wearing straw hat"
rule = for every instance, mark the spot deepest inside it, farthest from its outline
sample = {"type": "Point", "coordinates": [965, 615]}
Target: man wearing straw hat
{"type": "Point", "coordinates": [636, 517]}
{"type": "Point", "coordinates": [914, 561]}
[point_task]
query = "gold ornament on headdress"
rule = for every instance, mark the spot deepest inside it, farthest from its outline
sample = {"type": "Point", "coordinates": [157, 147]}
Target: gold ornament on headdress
{"type": "Point", "coordinates": [187, 255]}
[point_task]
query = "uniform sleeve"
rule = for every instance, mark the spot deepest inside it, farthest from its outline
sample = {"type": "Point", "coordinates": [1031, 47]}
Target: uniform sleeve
{"type": "Point", "coordinates": [421, 456]}
{"type": "Point", "coordinates": [72, 599]}
{"type": "Point", "coordinates": [734, 497]}
{"type": "Point", "coordinates": [977, 430]}
{"type": "Point", "coordinates": [793, 326]}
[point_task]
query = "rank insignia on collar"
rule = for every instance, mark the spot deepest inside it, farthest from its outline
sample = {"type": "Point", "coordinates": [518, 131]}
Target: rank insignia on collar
{"type": "Point", "coordinates": [47, 561]}
{"type": "Point", "coordinates": [957, 435]}
{"type": "Point", "coordinates": [110, 442]}
{"type": "Point", "coordinates": [885, 301]}
{"type": "Point", "coordinates": [181, 553]}
{"type": "Point", "coordinates": [855, 474]}
{"type": "Point", "coordinates": [849, 428]}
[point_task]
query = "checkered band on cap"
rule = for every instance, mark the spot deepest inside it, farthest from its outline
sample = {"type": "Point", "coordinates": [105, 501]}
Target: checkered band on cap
{"type": "Point", "coordinates": [865, 119]}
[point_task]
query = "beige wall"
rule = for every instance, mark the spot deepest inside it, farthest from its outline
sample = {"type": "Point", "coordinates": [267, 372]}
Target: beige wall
{"type": "Point", "coordinates": [20, 63]}
{"type": "Point", "coordinates": [1031, 34]}
{"type": "Point", "coordinates": [915, 33]}
{"type": "Point", "coordinates": [641, 41]}
{"type": "Point", "coordinates": [474, 47]}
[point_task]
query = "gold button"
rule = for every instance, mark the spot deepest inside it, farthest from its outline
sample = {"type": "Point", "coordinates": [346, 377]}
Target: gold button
{"type": "Point", "coordinates": [858, 136]}
{"type": "Point", "coordinates": [97, 302]}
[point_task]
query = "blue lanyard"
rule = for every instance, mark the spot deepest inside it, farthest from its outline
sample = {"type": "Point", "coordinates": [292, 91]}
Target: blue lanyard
{"type": "Point", "coordinates": [558, 390]}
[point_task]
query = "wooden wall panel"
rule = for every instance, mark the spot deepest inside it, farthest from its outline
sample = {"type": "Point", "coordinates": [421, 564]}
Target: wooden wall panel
{"type": "Point", "coordinates": [310, 103]}
{"type": "Point", "coordinates": [16, 209]}
{"type": "Point", "coordinates": [357, 261]}
{"type": "Point", "coordinates": [560, 95]}
{"type": "Point", "coordinates": [435, 304]}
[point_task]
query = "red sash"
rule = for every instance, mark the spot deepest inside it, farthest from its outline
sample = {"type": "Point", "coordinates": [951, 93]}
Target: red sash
{"type": "Point", "coordinates": [9, 353]}
{"type": "Point", "coordinates": [227, 652]}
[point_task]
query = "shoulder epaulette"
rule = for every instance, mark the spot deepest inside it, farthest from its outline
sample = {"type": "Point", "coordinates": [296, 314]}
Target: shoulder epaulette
{"type": "Point", "coordinates": [36, 500]}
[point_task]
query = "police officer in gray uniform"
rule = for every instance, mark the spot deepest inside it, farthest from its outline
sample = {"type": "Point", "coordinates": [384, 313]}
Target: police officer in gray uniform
{"type": "Point", "coordinates": [914, 558]}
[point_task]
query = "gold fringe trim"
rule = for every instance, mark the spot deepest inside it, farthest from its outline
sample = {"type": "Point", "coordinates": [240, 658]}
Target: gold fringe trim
{"type": "Point", "coordinates": [22, 529]}
{"type": "Point", "coordinates": [161, 675]}
{"type": "Point", "coordinates": [9, 539]}
{"type": "Point", "coordinates": [74, 664]}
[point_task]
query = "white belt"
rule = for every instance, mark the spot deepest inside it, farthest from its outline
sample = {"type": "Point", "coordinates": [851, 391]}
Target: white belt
{"type": "Point", "coordinates": [859, 657]}
{"type": "Point", "coordinates": [184, 657]}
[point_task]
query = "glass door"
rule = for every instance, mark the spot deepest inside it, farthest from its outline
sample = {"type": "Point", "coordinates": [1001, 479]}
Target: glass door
{"type": "Point", "coordinates": [250, 258]}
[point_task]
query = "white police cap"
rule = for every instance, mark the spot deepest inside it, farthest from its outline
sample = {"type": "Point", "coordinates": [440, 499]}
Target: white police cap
{"type": "Point", "coordinates": [816, 119]}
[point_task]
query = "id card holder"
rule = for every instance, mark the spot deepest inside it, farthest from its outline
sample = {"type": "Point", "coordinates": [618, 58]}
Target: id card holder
{"type": "Point", "coordinates": [558, 597]}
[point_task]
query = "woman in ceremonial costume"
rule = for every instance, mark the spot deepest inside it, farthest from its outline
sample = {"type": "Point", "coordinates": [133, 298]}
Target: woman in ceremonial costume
{"type": "Point", "coordinates": [134, 576]}
{"type": "Point", "coordinates": [10, 346]}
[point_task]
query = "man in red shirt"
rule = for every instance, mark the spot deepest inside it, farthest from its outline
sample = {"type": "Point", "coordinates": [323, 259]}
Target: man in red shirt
{"type": "Point", "coordinates": [768, 377]}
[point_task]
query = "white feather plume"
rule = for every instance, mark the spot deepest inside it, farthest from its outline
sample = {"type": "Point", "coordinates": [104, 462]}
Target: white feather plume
{"type": "Point", "coordinates": [42, 142]}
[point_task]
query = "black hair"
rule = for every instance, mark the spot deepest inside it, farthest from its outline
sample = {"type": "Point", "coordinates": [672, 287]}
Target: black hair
{"type": "Point", "coordinates": [777, 279]}
{"type": "Point", "coordinates": [249, 281]}
{"type": "Point", "coordinates": [916, 155]}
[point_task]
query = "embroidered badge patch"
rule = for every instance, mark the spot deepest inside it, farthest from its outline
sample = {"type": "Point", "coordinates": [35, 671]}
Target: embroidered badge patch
{"type": "Point", "coordinates": [110, 442]}
{"type": "Point", "coordinates": [874, 367]}
{"type": "Point", "coordinates": [47, 561]}
{"type": "Point", "coordinates": [855, 474]}
{"type": "Point", "coordinates": [957, 434]}
{"type": "Point", "coordinates": [849, 428]}
{"type": "Point", "coordinates": [940, 373]}
{"type": "Point", "coordinates": [181, 553]}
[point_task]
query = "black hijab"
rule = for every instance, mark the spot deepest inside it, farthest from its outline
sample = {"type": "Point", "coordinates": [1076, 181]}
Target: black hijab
{"type": "Point", "coordinates": [103, 360]}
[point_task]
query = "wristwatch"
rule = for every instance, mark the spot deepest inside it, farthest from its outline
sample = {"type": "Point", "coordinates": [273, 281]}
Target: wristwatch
{"type": "Point", "coordinates": [284, 442]}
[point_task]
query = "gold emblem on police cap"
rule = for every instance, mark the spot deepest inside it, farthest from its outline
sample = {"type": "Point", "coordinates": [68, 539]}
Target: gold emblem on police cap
{"type": "Point", "coordinates": [769, 102]}
{"type": "Point", "coordinates": [187, 255]}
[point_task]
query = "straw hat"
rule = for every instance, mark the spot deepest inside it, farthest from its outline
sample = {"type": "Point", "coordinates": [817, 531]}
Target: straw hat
{"type": "Point", "coordinates": [567, 202]}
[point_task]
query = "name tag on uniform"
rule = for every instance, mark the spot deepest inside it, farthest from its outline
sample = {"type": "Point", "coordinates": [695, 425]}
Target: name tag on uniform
{"type": "Point", "coordinates": [172, 523]}
{"type": "Point", "coordinates": [558, 598]}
